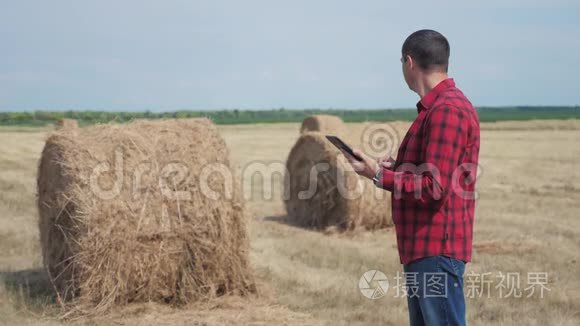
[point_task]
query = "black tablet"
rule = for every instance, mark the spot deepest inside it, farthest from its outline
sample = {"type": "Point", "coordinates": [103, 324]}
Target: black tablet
{"type": "Point", "coordinates": [342, 146]}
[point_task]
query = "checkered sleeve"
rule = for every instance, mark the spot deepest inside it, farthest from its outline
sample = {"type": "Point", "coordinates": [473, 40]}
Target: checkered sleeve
{"type": "Point", "coordinates": [429, 182]}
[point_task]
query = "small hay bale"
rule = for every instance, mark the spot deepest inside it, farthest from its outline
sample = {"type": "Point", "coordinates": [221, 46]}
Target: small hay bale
{"type": "Point", "coordinates": [66, 123]}
{"type": "Point", "coordinates": [322, 190]}
{"type": "Point", "coordinates": [124, 217]}
{"type": "Point", "coordinates": [326, 124]}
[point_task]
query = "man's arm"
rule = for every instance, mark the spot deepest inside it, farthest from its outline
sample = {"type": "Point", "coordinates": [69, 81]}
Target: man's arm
{"type": "Point", "coordinates": [443, 142]}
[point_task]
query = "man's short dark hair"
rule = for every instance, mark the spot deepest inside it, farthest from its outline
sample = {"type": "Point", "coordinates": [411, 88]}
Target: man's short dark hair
{"type": "Point", "coordinates": [430, 49]}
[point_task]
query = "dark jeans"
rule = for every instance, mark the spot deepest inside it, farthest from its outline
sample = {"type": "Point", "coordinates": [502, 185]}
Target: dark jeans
{"type": "Point", "coordinates": [435, 291]}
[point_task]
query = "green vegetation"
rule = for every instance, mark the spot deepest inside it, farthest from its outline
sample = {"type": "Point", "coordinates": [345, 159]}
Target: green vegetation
{"type": "Point", "coordinates": [40, 118]}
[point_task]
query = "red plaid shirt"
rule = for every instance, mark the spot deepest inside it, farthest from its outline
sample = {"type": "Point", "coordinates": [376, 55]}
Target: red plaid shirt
{"type": "Point", "coordinates": [433, 180]}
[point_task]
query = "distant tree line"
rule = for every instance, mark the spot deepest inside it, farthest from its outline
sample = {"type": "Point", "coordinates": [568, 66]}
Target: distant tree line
{"type": "Point", "coordinates": [486, 114]}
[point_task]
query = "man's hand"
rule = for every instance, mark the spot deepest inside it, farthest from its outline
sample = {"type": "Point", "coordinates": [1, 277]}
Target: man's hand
{"type": "Point", "coordinates": [366, 168]}
{"type": "Point", "coordinates": [386, 162]}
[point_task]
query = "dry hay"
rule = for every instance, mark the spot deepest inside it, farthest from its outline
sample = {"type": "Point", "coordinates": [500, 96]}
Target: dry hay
{"type": "Point", "coordinates": [547, 125]}
{"type": "Point", "coordinates": [327, 124]}
{"type": "Point", "coordinates": [401, 126]}
{"type": "Point", "coordinates": [338, 197]}
{"type": "Point", "coordinates": [219, 312]}
{"type": "Point", "coordinates": [502, 248]}
{"type": "Point", "coordinates": [148, 241]}
{"type": "Point", "coordinates": [66, 123]}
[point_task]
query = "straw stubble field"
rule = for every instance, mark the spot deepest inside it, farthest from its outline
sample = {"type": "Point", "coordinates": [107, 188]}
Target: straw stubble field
{"type": "Point", "coordinates": [527, 220]}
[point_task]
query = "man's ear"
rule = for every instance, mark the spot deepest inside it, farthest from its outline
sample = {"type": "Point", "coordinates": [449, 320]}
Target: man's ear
{"type": "Point", "coordinates": [409, 61]}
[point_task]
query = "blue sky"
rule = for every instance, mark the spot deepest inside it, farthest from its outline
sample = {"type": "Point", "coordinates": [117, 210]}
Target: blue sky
{"type": "Point", "coordinates": [169, 55]}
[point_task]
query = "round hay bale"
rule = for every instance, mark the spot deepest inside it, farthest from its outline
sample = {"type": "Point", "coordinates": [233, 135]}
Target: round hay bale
{"type": "Point", "coordinates": [327, 124]}
{"type": "Point", "coordinates": [66, 123]}
{"type": "Point", "coordinates": [322, 190]}
{"type": "Point", "coordinates": [137, 212]}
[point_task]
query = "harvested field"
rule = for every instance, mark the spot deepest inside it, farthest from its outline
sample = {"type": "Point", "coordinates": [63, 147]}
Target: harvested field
{"type": "Point", "coordinates": [526, 221]}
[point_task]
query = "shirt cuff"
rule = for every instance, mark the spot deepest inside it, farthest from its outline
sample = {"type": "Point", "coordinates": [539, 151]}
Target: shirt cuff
{"type": "Point", "coordinates": [387, 182]}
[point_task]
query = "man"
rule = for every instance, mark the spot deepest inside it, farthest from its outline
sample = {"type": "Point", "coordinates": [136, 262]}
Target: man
{"type": "Point", "coordinates": [432, 182]}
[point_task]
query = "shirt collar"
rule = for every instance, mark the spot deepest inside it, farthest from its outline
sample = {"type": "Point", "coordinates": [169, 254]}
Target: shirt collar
{"type": "Point", "coordinates": [427, 101]}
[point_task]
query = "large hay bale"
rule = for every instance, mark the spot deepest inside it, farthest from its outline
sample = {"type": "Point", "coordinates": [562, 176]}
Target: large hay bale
{"type": "Point", "coordinates": [66, 123]}
{"type": "Point", "coordinates": [327, 124]}
{"type": "Point", "coordinates": [127, 214]}
{"type": "Point", "coordinates": [322, 190]}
